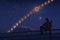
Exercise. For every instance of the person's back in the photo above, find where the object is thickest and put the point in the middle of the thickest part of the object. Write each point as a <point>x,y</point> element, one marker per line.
<point>47,24</point>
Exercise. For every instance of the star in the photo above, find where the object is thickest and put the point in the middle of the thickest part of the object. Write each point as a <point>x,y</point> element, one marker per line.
<point>40,17</point>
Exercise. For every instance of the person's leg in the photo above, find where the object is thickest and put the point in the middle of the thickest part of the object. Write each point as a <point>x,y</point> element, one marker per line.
<point>49,31</point>
<point>50,34</point>
<point>46,31</point>
<point>41,30</point>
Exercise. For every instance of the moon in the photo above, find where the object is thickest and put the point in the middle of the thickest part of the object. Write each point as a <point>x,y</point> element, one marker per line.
<point>36,9</point>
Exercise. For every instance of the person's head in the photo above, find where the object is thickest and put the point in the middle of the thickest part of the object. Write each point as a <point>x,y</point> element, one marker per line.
<point>47,20</point>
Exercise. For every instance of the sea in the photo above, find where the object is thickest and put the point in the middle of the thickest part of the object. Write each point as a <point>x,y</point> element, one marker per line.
<point>31,35</point>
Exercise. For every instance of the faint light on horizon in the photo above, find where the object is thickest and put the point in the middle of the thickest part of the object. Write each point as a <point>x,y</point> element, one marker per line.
<point>24,27</point>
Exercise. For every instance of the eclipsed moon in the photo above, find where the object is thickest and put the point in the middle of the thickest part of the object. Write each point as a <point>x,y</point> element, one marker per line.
<point>36,9</point>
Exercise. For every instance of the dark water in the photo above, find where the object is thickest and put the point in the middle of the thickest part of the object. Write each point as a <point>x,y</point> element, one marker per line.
<point>29,36</point>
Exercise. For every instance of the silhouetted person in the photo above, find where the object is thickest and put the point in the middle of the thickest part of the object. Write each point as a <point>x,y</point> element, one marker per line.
<point>46,27</point>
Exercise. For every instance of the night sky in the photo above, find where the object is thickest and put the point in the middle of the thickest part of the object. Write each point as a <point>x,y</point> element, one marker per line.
<point>12,10</point>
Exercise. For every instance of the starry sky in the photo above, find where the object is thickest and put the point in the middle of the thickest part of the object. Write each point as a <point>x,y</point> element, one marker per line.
<point>12,10</point>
